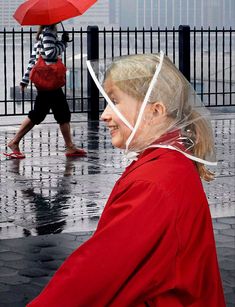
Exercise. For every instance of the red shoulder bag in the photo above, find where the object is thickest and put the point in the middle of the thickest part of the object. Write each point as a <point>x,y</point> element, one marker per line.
<point>48,77</point>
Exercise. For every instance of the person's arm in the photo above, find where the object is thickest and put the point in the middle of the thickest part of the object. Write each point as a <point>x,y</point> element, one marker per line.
<point>51,45</point>
<point>25,80</point>
<point>131,253</point>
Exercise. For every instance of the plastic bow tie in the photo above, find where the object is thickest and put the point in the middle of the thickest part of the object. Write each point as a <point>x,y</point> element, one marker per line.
<point>131,156</point>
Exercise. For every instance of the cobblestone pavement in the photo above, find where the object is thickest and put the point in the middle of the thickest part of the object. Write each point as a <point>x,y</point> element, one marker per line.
<point>61,200</point>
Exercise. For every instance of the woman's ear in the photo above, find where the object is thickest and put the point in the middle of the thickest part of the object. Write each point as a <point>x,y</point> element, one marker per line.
<point>159,108</point>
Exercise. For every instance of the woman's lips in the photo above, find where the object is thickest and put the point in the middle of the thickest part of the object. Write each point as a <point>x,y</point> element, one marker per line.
<point>113,130</point>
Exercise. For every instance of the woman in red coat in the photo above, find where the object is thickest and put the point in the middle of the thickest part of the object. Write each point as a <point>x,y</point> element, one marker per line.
<point>154,244</point>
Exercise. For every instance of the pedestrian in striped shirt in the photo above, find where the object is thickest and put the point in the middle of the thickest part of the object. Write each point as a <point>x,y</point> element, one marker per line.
<point>50,48</point>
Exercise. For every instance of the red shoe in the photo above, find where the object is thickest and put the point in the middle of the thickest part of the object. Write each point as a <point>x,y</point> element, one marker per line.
<point>77,153</point>
<point>14,155</point>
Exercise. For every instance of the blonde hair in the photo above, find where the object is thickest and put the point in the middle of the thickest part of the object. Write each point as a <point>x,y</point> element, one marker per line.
<point>132,74</point>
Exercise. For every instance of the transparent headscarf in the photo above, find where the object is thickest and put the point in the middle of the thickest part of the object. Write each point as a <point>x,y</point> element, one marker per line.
<point>153,79</point>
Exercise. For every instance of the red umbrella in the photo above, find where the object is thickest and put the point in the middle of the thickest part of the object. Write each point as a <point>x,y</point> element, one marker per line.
<point>47,12</point>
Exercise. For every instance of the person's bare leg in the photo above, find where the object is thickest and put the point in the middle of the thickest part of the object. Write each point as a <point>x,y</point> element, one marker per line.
<point>25,127</point>
<point>70,147</point>
<point>65,130</point>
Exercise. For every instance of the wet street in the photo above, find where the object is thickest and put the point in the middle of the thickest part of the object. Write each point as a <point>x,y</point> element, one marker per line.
<point>47,193</point>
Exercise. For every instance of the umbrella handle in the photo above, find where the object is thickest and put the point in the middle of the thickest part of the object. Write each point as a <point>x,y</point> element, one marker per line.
<point>62,26</point>
<point>65,31</point>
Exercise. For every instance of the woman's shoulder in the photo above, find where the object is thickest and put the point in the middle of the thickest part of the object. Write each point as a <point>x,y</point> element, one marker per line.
<point>163,167</point>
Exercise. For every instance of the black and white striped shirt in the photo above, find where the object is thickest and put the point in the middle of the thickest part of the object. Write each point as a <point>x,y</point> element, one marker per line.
<point>49,47</point>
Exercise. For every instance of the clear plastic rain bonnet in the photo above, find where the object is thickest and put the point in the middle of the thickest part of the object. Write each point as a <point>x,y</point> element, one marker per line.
<point>152,79</point>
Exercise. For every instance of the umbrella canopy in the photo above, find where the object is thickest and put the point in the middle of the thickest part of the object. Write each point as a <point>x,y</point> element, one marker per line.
<point>47,12</point>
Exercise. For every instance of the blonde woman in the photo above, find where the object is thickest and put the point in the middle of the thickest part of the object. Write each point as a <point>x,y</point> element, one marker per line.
<point>154,244</point>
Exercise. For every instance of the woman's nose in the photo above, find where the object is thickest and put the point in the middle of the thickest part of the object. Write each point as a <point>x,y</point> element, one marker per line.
<point>106,115</point>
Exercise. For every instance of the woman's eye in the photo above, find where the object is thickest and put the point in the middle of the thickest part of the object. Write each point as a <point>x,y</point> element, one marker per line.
<point>114,101</point>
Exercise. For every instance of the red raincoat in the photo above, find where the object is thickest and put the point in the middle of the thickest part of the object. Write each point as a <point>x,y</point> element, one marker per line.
<point>154,245</point>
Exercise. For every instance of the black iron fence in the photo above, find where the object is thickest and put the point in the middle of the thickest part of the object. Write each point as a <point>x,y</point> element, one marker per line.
<point>205,56</point>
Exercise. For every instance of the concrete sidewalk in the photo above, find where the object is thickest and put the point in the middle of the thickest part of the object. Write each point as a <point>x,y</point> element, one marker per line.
<point>27,264</point>
<point>50,204</point>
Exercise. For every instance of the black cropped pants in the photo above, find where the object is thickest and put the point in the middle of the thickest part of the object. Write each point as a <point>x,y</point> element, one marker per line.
<point>50,100</point>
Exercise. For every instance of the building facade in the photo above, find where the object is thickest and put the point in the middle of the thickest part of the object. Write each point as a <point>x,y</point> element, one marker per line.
<point>142,13</point>
<point>98,14</point>
<point>6,13</point>
<point>169,13</point>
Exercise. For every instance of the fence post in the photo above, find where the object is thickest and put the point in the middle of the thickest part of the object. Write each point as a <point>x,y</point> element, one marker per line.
<point>184,51</point>
<point>92,90</point>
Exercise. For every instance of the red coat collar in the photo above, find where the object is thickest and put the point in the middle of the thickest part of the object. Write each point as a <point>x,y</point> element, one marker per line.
<point>148,155</point>
<point>170,138</point>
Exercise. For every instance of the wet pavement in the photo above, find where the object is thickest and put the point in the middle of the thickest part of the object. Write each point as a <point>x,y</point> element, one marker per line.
<point>49,193</point>
<point>50,204</point>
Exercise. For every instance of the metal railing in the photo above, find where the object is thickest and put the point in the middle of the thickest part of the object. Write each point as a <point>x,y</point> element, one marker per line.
<point>205,56</point>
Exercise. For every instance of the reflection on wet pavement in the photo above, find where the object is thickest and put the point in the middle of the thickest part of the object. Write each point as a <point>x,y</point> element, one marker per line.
<point>49,193</point>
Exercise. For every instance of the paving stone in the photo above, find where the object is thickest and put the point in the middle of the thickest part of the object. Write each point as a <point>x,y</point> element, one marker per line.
<point>40,281</point>
<point>224,238</point>
<point>69,245</point>
<point>45,244</point>
<point>10,256</point>
<point>228,220</point>
<point>83,235</point>
<point>56,252</point>
<point>28,292</point>
<point>225,244</point>
<point>6,271</point>
<point>228,277</point>
<point>230,283</point>
<point>33,272</point>
<point>228,264</point>
<point>19,304</point>
<point>83,238</point>
<point>3,248</point>
<point>34,250</point>
<point>228,232</point>
<point>230,298</point>
<point>4,288</point>
<point>11,298</point>
<point>17,243</point>
<point>218,226</point>
<point>228,287</point>
<point>17,280</point>
<point>225,257</point>
<point>65,237</point>
<point>40,257</point>
<point>19,264</point>
<point>52,265</point>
